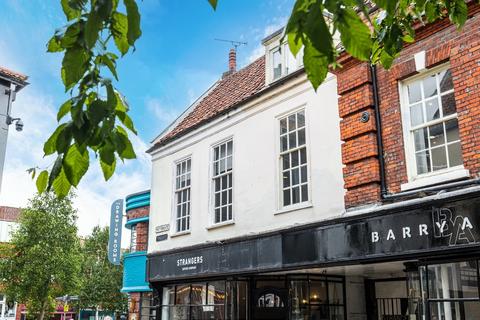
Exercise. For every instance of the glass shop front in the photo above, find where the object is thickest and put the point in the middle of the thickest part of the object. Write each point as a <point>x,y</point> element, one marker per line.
<point>417,263</point>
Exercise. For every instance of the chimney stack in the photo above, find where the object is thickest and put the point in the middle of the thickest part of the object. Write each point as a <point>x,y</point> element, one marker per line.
<point>232,61</point>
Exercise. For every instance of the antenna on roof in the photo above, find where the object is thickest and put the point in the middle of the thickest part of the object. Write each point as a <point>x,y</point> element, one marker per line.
<point>235,44</point>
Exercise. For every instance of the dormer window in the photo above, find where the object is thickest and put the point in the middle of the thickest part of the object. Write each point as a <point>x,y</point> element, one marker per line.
<point>280,61</point>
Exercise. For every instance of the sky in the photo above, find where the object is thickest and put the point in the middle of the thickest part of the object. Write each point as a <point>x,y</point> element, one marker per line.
<point>175,61</point>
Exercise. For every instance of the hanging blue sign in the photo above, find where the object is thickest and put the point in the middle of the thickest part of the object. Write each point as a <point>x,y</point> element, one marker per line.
<point>115,239</point>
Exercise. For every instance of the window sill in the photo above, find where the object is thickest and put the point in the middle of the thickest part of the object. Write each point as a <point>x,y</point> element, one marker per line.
<point>436,178</point>
<point>220,225</point>
<point>294,208</point>
<point>178,234</point>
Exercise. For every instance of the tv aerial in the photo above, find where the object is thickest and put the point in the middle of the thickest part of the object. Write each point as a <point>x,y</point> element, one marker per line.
<point>235,44</point>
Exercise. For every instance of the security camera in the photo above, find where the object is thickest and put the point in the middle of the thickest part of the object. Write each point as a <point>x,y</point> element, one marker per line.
<point>19,125</point>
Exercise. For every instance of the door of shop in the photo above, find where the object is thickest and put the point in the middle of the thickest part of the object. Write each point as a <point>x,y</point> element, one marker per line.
<point>270,304</point>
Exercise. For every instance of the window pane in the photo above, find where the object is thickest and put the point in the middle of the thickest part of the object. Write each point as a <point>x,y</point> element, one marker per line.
<point>286,179</point>
<point>455,154</point>
<point>437,137</point>
<point>421,139</point>
<point>168,295</point>
<point>451,127</point>
<point>455,310</point>
<point>445,78</point>
<point>299,302</point>
<point>277,64</point>
<point>430,86</point>
<point>335,293</point>
<point>291,123</point>
<point>283,126</point>
<point>301,119</point>
<point>224,198</point>
<point>304,174</point>
<point>224,182</point>
<point>318,292</point>
<point>448,104</point>
<point>453,280</point>
<point>432,109</point>
<point>304,189</point>
<point>283,143</point>
<point>216,153</point>
<point>216,292</point>
<point>416,114</point>
<point>217,215</point>
<point>217,199</point>
<point>292,140</point>
<point>224,214</point>
<point>295,176</point>
<point>286,197</point>
<point>337,313</point>
<point>294,158</point>
<point>199,293</point>
<point>414,93</point>
<point>286,161</point>
<point>295,195</point>
<point>439,158</point>
<point>303,156</point>
<point>229,148</point>
<point>183,294</point>
<point>301,137</point>
<point>423,162</point>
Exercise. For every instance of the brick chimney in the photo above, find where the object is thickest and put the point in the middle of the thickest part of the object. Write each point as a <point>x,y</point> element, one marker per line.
<point>232,61</point>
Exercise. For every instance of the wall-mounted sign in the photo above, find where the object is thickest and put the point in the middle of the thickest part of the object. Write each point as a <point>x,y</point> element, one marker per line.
<point>162,228</point>
<point>448,226</point>
<point>115,239</point>
<point>162,237</point>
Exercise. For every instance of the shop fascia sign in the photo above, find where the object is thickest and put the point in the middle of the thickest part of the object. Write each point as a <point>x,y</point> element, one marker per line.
<point>115,239</point>
<point>445,225</point>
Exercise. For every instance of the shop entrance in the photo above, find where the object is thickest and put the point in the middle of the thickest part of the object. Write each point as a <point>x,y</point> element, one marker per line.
<point>270,303</point>
<point>387,299</point>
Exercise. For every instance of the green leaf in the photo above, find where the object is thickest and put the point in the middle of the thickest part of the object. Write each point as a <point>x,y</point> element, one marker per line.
<point>54,45</point>
<point>75,164</point>
<point>64,109</point>
<point>213,3</point>
<point>111,65</point>
<point>316,65</point>
<point>126,121</point>
<point>61,185</point>
<point>457,12</point>
<point>317,31</point>
<point>70,12</point>
<point>295,43</point>
<point>119,29</point>
<point>108,169</point>
<point>354,34</point>
<point>92,28</point>
<point>42,181</point>
<point>97,111</point>
<point>51,145</point>
<point>57,167</point>
<point>74,65</point>
<point>107,152</point>
<point>133,17</point>
<point>64,139</point>
<point>127,152</point>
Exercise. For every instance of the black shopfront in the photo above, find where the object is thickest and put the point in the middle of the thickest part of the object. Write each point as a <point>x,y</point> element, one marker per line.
<point>415,262</point>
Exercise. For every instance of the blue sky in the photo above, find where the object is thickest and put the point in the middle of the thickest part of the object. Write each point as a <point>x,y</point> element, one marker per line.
<point>175,61</point>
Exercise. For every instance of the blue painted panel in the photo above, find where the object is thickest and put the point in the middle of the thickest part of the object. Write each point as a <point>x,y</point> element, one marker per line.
<point>137,200</point>
<point>132,222</point>
<point>134,272</point>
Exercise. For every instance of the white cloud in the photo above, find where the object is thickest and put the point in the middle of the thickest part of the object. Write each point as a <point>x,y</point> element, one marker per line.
<point>163,113</point>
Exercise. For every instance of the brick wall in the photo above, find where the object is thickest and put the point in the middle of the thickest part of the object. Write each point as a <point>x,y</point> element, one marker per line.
<point>134,306</point>
<point>142,227</point>
<point>443,44</point>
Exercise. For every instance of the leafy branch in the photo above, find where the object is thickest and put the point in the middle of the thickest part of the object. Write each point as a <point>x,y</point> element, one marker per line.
<point>95,116</point>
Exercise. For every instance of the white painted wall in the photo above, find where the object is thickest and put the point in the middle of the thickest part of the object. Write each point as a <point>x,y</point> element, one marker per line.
<point>255,167</point>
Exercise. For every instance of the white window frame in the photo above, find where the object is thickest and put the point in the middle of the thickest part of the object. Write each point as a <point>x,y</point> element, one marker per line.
<point>212,178</point>
<point>133,238</point>
<point>174,231</point>
<point>419,180</point>
<point>304,204</point>
<point>283,48</point>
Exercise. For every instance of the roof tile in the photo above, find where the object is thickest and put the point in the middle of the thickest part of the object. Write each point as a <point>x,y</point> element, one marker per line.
<point>228,93</point>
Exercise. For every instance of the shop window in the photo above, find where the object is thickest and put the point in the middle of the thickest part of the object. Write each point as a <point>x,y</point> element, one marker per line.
<point>206,300</point>
<point>452,290</point>
<point>182,195</point>
<point>293,159</point>
<point>223,182</point>
<point>317,298</point>
<point>431,125</point>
